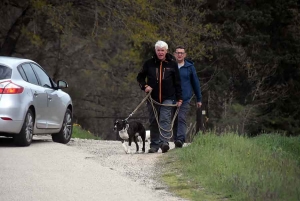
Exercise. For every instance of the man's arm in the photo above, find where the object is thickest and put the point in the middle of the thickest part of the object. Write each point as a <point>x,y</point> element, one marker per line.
<point>196,84</point>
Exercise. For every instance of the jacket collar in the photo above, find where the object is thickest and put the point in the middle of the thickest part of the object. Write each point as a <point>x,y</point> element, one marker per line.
<point>188,63</point>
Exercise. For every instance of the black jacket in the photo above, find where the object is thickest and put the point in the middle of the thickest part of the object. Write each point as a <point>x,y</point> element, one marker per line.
<point>163,77</point>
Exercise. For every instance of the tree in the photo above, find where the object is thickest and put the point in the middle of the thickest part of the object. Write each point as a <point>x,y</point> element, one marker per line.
<point>258,46</point>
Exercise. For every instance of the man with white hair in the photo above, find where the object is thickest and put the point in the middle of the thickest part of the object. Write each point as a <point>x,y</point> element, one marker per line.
<point>160,76</point>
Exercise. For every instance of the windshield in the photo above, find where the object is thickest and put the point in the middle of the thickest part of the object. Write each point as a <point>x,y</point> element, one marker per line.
<point>5,72</point>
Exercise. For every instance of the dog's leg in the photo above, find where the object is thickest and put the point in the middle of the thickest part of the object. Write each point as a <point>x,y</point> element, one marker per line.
<point>129,143</point>
<point>136,143</point>
<point>143,136</point>
<point>140,141</point>
<point>143,146</point>
<point>125,147</point>
<point>147,137</point>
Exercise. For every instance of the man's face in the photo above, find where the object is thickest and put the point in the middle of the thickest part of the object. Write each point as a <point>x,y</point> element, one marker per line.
<point>179,55</point>
<point>161,53</point>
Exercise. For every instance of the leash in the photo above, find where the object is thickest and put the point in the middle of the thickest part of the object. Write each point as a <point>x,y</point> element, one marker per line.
<point>156,115</point>
<point>146,97</point>
<point>157,120</point>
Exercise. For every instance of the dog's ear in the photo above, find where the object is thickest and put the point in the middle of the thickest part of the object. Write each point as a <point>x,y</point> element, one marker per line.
<point>115,124</point>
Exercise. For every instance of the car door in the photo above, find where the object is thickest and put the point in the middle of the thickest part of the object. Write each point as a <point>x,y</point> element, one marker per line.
<point>39,95</point>
<point>55,107</point>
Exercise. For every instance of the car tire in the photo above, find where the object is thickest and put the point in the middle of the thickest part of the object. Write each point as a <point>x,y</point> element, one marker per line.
<point>24,138</point>
<point>66,130</point>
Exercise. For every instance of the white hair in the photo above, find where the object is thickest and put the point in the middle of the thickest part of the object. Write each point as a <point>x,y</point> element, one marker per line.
<point>161,44</point>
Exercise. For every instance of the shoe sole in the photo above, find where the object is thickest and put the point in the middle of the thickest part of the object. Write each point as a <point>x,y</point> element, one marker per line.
<point>178,144</point>
<point>165,148</point>
<point>152,151</point>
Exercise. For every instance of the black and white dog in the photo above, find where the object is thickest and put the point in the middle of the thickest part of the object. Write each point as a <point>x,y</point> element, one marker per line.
<point>131,131</point>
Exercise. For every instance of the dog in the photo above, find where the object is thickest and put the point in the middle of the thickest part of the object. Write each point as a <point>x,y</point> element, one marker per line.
<point>131,131</point>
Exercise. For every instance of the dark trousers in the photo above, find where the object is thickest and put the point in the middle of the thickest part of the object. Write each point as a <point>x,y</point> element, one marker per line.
<point>164,114</point>
<point>180,124</point>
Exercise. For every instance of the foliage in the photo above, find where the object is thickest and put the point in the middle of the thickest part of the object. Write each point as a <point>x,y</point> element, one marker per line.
<point>238,168</point>
<point>80,133</point>
<point>246,54</point>
<point>257,55</point>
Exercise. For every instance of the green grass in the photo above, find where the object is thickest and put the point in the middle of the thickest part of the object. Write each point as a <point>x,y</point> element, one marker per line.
<point>231,167</point>
<point>78,132</point>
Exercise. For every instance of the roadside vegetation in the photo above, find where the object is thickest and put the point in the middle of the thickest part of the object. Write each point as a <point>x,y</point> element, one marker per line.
<point>79,132</point>
<point>233,167</point>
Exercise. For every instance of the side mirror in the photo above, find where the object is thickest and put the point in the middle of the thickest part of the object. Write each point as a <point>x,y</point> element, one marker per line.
<point>62,84</point>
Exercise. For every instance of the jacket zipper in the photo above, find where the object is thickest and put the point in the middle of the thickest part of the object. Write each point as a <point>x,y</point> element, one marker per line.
<point>160,80</point>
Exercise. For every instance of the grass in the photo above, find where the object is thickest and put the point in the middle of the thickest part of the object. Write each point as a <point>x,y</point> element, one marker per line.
<point>230,167</point>
<point>78,132</point>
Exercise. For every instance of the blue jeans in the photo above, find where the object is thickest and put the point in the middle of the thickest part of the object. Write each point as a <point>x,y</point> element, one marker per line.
<point>180,125</point>
<point>164,115</point>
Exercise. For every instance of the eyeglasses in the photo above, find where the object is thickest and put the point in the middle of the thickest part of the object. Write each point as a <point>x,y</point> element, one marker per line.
<point>180,53</point>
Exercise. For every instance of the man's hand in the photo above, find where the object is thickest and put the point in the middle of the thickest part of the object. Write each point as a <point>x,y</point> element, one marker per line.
<point>148,89</point>
<point>199,104</point>
<point>179,103</point>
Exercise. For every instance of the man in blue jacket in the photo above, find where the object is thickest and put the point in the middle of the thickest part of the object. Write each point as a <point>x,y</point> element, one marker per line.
<point>189,84</point>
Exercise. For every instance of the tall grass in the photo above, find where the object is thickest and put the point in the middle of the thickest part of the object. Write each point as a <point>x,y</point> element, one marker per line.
<point>238,168</point>
<point>78,132</point>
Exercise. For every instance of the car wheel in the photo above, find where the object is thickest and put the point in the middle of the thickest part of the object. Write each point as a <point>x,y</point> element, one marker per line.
<point>66,130</point>
<point>24,138</point>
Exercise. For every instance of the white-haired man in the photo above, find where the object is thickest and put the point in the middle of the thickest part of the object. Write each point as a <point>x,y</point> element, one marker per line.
<point>161,75</point>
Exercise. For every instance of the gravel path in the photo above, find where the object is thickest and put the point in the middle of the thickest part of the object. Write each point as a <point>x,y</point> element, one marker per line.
<point>139,167</point>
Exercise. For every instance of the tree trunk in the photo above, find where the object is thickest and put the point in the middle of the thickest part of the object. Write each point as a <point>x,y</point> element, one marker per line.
<point>9,44</point>
<point>199,120</point>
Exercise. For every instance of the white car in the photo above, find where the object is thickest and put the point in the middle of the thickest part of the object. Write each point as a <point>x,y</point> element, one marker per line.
<point>31,103</point>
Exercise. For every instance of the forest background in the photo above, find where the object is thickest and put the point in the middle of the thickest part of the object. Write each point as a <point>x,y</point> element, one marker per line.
<point>246,54</point>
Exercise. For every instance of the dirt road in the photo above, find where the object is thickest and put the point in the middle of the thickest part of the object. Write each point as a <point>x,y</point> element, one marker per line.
<point>82,170</point>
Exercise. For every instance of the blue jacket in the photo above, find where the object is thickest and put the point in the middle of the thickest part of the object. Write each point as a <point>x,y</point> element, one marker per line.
<point>189,81</point>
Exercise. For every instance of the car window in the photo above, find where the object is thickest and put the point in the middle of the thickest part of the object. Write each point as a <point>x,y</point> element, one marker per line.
<point>5,72</point>
<point>30,74</point>
<point>44,79</point>
<point>21,71</point>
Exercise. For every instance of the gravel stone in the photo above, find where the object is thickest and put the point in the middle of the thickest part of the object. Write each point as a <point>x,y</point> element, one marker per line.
<point>139,167</point>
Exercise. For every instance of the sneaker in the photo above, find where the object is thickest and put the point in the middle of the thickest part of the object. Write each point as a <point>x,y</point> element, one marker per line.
<point>153,150</point>
<point>178,144</point>
<point>165,148</point>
